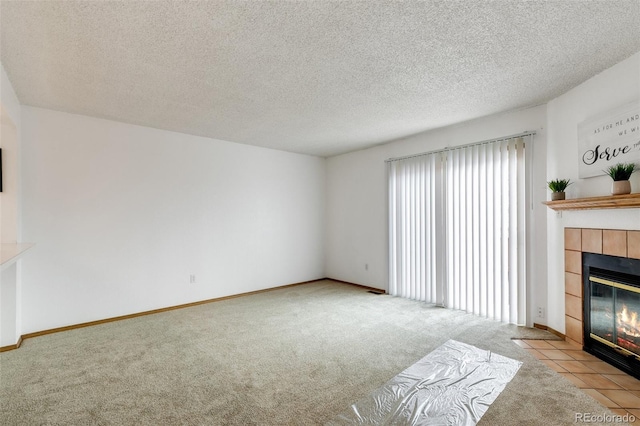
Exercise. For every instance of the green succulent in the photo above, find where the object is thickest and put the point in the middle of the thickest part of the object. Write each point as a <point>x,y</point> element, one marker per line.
<point>621,171</point>
<point>559,185</point>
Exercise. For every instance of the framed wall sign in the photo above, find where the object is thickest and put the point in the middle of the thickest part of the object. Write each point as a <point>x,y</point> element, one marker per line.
<point>609,138</point>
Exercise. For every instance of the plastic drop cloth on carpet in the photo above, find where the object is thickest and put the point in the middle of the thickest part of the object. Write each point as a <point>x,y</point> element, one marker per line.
<point>453,385</point>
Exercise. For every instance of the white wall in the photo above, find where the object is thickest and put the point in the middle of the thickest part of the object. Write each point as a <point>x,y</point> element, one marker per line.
<point>9,292</point>
<point>10,287</point>
<point>123,214</point>
<point>9,195</point>
<point>617,86</point>
<point>8,98</point>
<point>357,199</point>
<point>10,114</point>
<point>10,111</point>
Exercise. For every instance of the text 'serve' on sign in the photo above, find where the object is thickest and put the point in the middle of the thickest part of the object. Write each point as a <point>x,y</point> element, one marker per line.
<point>609,138</point>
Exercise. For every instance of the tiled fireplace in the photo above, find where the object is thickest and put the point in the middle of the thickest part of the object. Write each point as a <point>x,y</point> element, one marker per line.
<point>596,293</point>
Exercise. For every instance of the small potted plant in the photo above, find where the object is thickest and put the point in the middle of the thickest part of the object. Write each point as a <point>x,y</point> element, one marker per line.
<point>620,173</point>
<point>557,187</point>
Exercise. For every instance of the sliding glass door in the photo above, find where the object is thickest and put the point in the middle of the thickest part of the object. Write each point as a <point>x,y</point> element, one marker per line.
<point>457,228</point>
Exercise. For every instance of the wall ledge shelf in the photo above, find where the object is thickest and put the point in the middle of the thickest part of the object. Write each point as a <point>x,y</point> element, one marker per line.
<point>627,201</point>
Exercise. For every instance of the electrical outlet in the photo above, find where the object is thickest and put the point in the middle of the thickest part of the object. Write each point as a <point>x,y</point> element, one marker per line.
<point>540,312</point>
<point>192,279</point>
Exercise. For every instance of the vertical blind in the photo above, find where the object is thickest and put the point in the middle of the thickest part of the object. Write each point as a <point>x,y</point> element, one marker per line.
<point>457,228</point>
<point>412,190</point>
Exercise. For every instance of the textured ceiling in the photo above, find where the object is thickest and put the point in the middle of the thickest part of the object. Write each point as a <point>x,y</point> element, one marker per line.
<point>315,77</point>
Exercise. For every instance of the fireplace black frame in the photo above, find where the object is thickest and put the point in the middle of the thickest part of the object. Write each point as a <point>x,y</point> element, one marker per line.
<point>620,269</point>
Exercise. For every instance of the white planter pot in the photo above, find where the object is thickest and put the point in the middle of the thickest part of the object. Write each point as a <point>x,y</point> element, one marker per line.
<point>621,187</point>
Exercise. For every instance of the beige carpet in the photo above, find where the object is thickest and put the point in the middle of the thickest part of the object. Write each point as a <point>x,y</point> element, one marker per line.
<point>298,355</point>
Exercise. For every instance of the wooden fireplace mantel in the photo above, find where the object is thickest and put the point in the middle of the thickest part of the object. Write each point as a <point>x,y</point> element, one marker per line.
<point>627,201</point>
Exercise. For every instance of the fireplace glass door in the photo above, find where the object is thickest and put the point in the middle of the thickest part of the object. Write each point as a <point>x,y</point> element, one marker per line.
<point>615,312</point>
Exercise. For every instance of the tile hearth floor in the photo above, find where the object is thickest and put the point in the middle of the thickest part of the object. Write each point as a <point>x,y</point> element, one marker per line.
<point>611,387</point>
